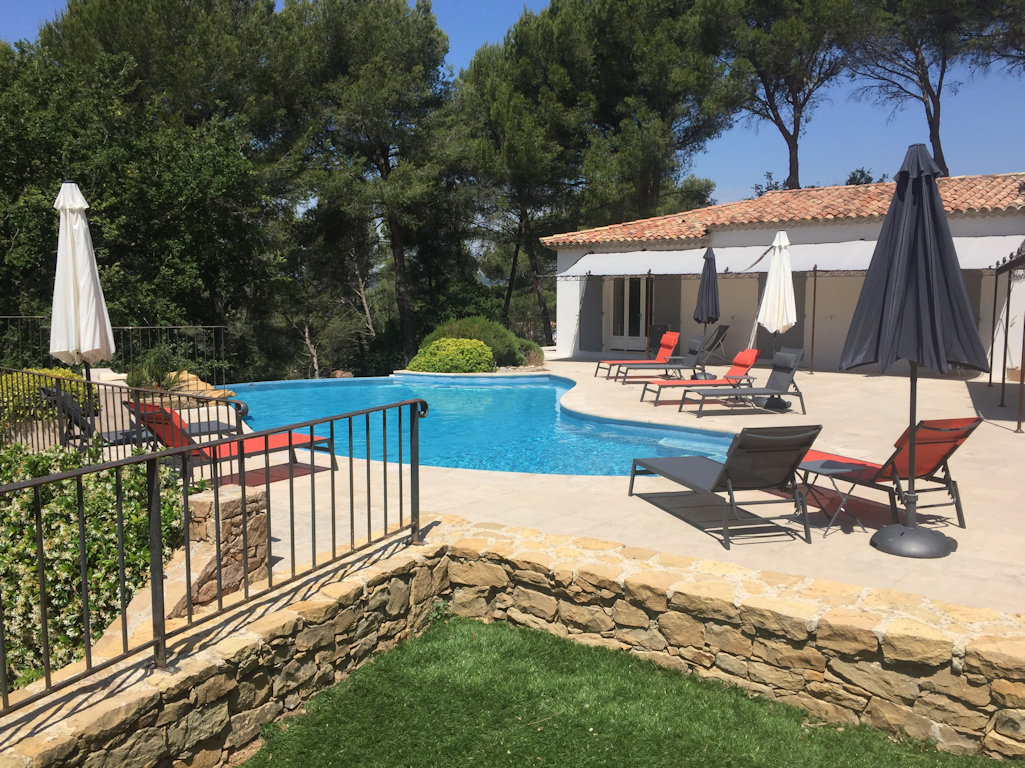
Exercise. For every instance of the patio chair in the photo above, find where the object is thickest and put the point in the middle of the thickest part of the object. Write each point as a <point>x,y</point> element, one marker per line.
<point>759,459</point>
<point>77,427</point>
<point>698,351</point>
<point>172,431</point>
<point>768,397</point>
<point>665,351</point>
<point>736,376</point>
<point>935,441</point>
<point>655,333</point>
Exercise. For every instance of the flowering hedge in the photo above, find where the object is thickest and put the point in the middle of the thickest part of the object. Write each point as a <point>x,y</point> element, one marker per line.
<point>19,582</point>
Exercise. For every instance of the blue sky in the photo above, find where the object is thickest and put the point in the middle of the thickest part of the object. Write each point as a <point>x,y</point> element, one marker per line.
<point>981,124</point>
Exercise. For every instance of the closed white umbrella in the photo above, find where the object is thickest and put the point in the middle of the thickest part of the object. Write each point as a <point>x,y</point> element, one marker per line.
<point>79,325</point>
<point>778,311</point>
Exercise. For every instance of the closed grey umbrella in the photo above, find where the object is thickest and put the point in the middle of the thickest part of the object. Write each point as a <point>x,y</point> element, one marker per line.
<point>914,306</point>
<point>707,309</point>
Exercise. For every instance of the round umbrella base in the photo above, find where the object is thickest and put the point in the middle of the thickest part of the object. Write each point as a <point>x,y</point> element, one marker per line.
<point>912,541</point>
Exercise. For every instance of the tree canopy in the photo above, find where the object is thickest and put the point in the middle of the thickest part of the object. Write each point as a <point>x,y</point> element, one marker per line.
<point>314,177</point>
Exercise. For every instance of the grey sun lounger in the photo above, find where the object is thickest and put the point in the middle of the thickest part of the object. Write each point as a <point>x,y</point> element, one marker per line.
<point>779,384</point>
<point>698,351</point>
<point>758,459</point>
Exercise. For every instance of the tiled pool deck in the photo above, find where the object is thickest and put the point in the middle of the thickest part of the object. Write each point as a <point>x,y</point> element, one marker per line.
<point>861,415</point>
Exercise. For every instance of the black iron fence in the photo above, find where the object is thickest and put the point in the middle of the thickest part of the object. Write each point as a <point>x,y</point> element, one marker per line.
<point>41,410</point>
<point>143,350</point>
<point>101,562</point>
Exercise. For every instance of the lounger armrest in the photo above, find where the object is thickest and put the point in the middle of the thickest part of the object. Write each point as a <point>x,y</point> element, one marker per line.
<point>740,381</point>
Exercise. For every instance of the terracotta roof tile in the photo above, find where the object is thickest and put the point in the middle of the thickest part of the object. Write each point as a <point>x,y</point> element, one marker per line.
<point>961,194</point>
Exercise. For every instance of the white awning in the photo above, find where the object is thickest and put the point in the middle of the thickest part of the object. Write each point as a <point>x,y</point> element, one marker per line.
<point>851,255</point>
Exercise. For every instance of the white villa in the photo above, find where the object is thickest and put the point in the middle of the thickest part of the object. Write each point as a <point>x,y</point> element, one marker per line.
<point>614,282</point>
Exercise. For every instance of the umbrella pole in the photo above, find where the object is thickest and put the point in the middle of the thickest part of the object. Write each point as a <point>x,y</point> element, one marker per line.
<point>911,498</point>
<point>814,299</point>
<point>89,400</point>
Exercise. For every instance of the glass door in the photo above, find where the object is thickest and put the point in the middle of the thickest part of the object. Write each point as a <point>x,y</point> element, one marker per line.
<point>629,310</point>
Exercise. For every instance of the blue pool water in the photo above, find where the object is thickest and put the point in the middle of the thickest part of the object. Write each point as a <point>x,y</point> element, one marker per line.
<point>511,424</point>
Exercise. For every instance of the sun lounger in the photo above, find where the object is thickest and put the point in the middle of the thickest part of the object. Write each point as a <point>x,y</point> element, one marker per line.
<point>172,431</point>
<point>935,441</point>
<point>769,397</point>
<point>759,459</point>
<point>736,376</point>
<point>77,427</point>
<point>698,351</point>
<point>665,351</point>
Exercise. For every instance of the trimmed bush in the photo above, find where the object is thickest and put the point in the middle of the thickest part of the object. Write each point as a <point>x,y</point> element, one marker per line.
<point>505,346</point>
<point>454,356</point>
<point>18,557</point>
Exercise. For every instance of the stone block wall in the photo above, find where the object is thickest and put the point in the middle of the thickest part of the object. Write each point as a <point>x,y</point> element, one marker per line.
<point>203,534</point>
<point>949,673</point>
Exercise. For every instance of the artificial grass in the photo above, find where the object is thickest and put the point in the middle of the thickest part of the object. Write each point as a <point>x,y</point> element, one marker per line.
<point>467,693</point>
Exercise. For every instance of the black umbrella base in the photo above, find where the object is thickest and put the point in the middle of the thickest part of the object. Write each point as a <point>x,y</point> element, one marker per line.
<point>912,541</point>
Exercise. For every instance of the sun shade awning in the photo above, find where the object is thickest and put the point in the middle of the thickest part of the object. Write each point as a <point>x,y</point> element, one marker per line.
<point>851,255</point>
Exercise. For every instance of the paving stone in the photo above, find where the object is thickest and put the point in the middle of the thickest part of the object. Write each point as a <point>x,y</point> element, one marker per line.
<point>649,589</point>
<point>912,641</point>
<point>1002,657</point>
<point>783,654</point>
<point>681,629</point>
<point>706,599</point>
<point>723,637</point>
<point>870,676</point>
<point>851,633</point>
<point>585,618</point>
<point>942,709</point>
<point>788,618</point>
<point>960,687</point>
<point>1008,694</point>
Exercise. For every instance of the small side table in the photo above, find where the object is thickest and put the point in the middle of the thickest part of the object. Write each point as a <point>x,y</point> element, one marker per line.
<point>832,469</point>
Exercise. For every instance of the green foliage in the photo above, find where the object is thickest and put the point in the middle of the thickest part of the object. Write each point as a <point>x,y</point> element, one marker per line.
<point>863,176</point>
<point>503,343</point>
<point>158,369</point>
<point>454,356</point>
<point>532,354</point>
<point>60,534</point>
<point>20,400</point>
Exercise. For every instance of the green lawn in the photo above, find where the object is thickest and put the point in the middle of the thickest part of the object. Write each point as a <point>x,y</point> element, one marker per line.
<point>467,693</point>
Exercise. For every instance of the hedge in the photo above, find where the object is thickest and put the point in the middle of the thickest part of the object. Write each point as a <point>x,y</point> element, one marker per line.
<point>454,356</point>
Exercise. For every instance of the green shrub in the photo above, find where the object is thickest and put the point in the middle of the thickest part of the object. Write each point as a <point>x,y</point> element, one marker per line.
<point>532,353</point>
<point>503,342</point>
<point>454,356</point>
<point>18,564</point>
<point>20,400</point>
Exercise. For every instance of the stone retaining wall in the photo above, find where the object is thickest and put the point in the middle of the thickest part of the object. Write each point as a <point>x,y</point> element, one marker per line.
<point>844,653</point>
<point>203,535</point>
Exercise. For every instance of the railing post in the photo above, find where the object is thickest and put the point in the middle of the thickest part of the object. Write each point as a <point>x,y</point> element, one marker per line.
<point>414,474</point>
<point>156,564</point>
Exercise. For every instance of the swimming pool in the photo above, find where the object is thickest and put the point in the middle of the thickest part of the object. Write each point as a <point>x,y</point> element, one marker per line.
<point>510,424</point>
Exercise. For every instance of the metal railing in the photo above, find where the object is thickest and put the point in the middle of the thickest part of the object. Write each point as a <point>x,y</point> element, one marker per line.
<point>202,349</point>
<point>40,410</point>
<point>333,487</point>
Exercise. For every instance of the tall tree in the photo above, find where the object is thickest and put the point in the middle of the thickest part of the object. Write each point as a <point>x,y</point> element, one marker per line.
<point>659,95</point>
<point>376,121</point>
<point>171,210</point>
<point>907,52</point>
<point>789,51</point>
<point>197,58</point>
<point>525,106</point>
